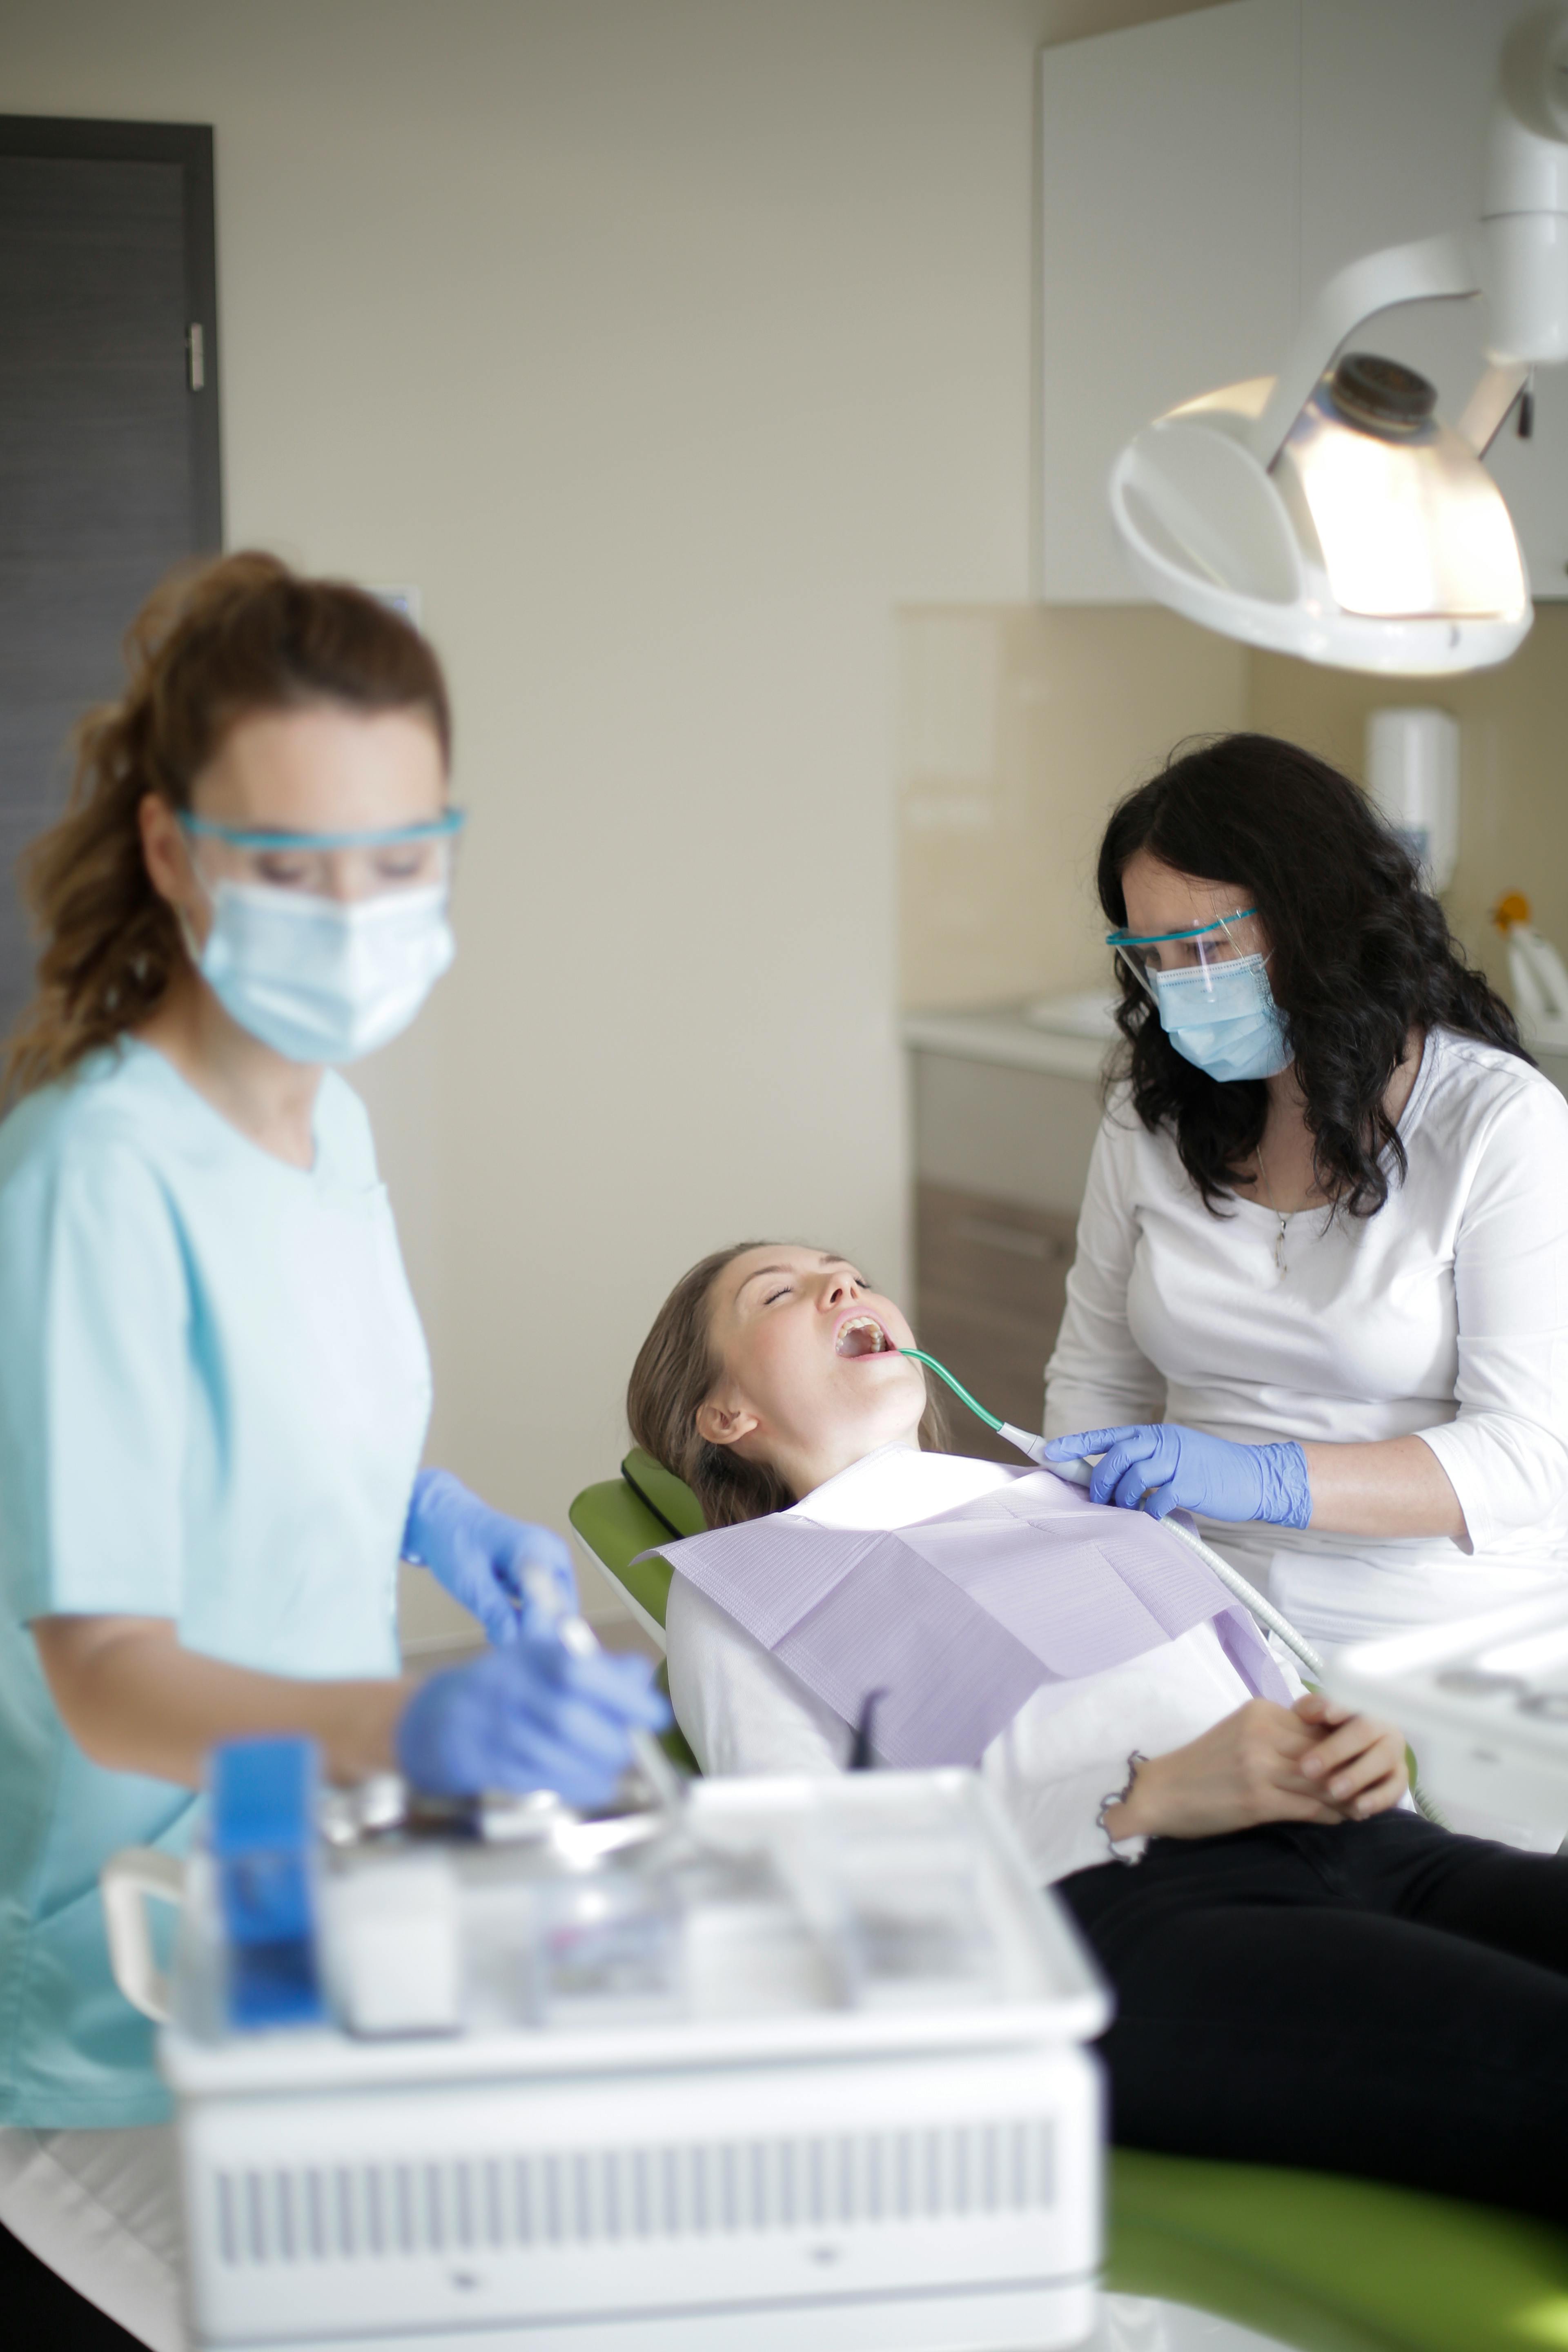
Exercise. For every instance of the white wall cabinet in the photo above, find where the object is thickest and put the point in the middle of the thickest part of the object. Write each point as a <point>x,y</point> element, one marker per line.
<point>1201,177</point>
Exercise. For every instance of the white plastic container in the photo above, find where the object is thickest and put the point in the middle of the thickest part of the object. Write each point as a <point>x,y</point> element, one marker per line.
<point>790,2155</point>
<point>1413,774</point>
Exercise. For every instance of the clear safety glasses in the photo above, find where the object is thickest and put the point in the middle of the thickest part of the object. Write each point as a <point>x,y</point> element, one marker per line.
<point>339,865</point>
<point>1197,957</point>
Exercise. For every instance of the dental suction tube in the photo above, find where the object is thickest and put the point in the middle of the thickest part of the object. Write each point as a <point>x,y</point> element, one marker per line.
<point>1078,1473</point>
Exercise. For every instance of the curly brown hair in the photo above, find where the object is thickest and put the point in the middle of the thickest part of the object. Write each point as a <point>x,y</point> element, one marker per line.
<point>209,648</point>
<point>676,1370</point>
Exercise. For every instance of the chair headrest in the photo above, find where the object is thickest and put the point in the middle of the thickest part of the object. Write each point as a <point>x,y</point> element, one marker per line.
<point>664,1493</point>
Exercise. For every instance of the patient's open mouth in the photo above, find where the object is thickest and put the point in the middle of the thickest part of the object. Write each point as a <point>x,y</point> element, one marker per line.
<point>862,1336</point>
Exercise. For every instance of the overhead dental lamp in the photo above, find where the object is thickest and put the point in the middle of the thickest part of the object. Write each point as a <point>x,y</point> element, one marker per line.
<point>1327,512</point>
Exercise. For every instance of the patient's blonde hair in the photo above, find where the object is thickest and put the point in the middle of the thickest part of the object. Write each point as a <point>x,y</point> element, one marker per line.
<point>676,1371</point>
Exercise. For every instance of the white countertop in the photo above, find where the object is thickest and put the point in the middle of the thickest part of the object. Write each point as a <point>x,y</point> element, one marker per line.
<point>1001,1033</point>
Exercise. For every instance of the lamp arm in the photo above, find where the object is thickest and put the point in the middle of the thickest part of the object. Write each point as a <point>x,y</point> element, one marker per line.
<point>1432,269</point>
<point>1518,256</point>
<point>1488,407</point>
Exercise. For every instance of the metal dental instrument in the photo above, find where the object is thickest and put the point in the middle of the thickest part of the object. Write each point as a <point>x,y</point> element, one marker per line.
<point>577,1636</point>
<point>1078,1473</point>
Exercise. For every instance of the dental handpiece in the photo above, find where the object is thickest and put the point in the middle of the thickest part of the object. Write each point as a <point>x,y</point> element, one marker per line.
<point>578,1637</point>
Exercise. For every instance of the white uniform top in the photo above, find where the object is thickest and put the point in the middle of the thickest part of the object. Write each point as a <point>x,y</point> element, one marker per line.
<point>1445,1316</point>
<point>1054,1764</point>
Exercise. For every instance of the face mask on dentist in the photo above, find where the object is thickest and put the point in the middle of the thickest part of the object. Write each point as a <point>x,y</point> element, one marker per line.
<point>1222,1017</point>
<point>321,980</point>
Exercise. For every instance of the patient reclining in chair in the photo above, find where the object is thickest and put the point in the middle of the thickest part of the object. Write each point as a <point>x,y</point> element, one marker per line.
<point>1306,1971</point>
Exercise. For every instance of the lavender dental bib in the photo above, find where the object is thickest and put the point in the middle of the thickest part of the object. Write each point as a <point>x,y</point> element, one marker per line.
<point>958,1618</point>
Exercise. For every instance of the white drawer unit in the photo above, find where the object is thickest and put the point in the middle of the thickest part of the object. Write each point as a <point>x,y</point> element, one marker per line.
<point>864,2117</point>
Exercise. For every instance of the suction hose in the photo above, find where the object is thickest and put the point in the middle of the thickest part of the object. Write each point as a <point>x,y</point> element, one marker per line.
<point>1077,1474</point>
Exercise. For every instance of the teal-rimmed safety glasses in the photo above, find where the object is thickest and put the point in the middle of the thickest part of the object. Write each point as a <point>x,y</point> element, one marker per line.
<point>1194,955</point>
<point>371,863</point>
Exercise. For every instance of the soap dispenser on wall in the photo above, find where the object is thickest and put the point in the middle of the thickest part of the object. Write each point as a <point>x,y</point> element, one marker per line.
<point>1412,775</point>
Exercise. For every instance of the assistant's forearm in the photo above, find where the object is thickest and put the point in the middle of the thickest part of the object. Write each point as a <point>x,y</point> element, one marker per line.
<point>1396,1486</point>
<point>140,1703</point>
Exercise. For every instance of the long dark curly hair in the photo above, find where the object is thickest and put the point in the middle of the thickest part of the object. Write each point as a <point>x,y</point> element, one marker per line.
<point>1360,955</point>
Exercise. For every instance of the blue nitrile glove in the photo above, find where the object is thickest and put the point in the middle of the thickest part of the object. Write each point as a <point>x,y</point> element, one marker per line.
<point>532,1715</point>
<point>1180,1470</point>
<point>482,1556</point>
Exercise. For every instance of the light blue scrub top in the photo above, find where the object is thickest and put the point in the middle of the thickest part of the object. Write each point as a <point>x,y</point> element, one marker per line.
<point>214,1392</point>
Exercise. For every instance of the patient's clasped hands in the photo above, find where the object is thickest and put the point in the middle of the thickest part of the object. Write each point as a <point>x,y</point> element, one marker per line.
<point>1311,1762</point>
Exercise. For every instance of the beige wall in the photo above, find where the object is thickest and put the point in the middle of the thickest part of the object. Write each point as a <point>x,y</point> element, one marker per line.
<point>1513,767</point>
<point>1018,731</point>
<point>1019,727</point>
<point>667,346</point>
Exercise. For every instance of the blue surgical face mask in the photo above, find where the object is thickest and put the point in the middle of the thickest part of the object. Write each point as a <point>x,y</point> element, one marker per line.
<point>1222,1017</point>
<point>324,980</point>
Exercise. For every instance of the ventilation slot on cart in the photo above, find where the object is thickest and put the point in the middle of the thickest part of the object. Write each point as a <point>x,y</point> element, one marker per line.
<point>416,2207</point>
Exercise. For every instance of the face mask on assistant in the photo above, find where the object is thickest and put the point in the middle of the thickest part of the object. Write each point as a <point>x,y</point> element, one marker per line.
<point>1210,987</point>
<point>324,945</point>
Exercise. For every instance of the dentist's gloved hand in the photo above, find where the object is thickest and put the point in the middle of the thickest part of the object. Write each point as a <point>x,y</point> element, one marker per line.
<point>532,1715</point>
<point>482,1556</point>
<point>1161,1467</point>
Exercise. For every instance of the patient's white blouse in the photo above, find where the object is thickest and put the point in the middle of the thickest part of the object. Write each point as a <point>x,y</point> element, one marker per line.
<point>1053,1766</point>
<point>1444,1317</point>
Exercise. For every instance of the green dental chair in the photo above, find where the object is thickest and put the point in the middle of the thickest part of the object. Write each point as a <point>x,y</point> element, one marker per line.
<point>1313,2260</point>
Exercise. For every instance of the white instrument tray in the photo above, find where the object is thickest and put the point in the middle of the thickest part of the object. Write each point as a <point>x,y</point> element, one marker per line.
<point>1047,1988</point>
<point>1482,1701</point>
<point>854,2174</point>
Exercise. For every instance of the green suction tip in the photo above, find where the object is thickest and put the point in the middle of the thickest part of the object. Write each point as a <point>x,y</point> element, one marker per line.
<point>957,1387</point>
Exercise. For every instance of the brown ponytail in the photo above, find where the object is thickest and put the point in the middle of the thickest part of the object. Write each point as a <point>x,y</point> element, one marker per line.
<point>676,1370</point>
<point>207,648</point>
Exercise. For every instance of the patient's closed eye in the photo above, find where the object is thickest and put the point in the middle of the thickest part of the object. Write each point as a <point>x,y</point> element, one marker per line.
<point>782,1293</point>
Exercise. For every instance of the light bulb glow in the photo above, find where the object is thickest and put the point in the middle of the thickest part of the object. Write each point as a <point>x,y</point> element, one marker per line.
<point>1407,527</point>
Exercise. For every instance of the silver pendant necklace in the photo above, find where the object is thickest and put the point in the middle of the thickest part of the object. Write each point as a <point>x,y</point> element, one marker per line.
<point>1280,1265</point>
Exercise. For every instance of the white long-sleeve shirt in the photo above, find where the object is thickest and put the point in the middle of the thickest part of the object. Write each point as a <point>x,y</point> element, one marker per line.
<point>1445,1317</point>
<point>1053,1766</point>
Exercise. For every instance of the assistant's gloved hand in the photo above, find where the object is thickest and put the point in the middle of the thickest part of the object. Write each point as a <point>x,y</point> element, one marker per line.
<point>482,1556</point>
<point>532,1715</point>
<point>1179,1469</point>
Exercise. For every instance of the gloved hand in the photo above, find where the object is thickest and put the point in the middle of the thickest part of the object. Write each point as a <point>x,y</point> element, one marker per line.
<point>1179,1469</point>
<point>532,1715</point>
<point>482,1556</point>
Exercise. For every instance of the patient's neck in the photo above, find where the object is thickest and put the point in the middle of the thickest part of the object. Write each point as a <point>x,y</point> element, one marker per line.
<point>804,1470</point>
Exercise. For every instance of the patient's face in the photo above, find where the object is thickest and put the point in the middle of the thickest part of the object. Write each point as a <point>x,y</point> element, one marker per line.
<point>813,1379</point>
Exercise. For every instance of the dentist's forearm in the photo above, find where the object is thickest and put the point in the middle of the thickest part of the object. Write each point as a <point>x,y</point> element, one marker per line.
<point>135,1701</point>
<point>1395,1488</point>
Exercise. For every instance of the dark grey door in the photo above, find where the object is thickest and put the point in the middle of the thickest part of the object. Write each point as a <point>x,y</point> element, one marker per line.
<point>108,446</point>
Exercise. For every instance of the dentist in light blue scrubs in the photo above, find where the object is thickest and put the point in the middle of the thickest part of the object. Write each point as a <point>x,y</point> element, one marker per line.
<point>213,1388</point>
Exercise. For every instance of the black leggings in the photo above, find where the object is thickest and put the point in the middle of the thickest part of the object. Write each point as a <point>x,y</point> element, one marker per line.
<point>1379,1997</point>
<point>39,2309</point>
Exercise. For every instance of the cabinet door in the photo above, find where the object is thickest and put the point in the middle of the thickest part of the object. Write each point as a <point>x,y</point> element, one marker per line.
<point>1168,161</point>
<point>109,435</point>
<point>991,1280</point>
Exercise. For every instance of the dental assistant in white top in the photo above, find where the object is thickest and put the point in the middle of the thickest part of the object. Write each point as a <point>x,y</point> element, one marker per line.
<point>1321,1294</point>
